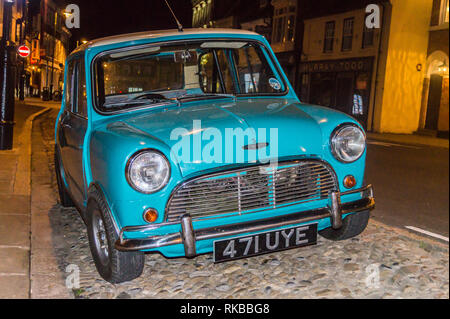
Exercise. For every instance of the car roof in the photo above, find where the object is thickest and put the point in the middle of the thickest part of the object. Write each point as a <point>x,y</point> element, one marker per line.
<point>158,34</point>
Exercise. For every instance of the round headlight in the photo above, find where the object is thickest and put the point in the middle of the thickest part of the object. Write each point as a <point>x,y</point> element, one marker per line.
<point>348,143</point>
<point>148,171</point>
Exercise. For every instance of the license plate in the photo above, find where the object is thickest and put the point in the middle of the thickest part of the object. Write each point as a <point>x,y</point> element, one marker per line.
<point>259,244</point>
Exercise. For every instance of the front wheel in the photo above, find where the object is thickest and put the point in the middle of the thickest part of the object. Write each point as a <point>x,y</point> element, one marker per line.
<point>352,226</point>
<point>114,266</point>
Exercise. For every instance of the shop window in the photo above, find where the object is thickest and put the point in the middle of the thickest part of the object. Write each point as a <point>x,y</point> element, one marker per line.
<point>329,36</point>
<point>347,36</point>
<point>284,24</point>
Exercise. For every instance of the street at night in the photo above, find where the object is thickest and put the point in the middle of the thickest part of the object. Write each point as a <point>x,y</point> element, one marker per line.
<point>412,184</point>
<point>201,149</point>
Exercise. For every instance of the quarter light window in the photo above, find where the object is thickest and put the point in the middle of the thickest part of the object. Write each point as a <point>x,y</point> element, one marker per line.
<point>70,84</point>
<point>82,100</point>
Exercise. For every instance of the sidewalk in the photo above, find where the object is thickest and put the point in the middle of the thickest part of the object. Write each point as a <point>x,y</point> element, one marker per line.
<point>34,101</point>
<point>410,139</point>
<point>15,208</point>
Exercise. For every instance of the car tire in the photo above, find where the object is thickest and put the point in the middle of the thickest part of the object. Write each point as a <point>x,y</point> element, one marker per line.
<point>114,266</point>
<point>64,197</point>
<point>352,226</point>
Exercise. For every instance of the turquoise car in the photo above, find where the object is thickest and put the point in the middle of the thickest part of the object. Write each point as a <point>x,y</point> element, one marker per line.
<point>194,142</point>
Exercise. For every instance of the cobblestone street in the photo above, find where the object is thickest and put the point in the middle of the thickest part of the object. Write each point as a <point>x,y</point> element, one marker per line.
<point>381,263</point>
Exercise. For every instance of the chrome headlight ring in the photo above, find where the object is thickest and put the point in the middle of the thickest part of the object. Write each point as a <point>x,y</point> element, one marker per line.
<point>148,171</point>
<point>348,143</point>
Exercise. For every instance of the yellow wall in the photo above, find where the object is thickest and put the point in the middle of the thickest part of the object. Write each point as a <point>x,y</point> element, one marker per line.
<point>408,42</point>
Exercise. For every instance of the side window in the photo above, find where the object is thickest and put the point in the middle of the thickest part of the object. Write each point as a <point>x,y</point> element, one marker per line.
<point>82,100</point>
<point>253,71</point>
<point>70,81</point>
<point>243,71</point>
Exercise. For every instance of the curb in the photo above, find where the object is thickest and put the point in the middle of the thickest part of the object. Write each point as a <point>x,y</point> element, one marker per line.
<point>22,184</point>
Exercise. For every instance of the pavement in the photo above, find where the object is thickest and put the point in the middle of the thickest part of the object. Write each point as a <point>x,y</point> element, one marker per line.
<point>15,191</point>
<point>42,244</point>
<point>15,210</point>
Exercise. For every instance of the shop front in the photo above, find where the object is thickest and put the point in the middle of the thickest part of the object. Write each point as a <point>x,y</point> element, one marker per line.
<point>344,85</point>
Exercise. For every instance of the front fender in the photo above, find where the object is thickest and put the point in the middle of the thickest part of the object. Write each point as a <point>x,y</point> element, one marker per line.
<point>328,120</point>
<point>110,150</point>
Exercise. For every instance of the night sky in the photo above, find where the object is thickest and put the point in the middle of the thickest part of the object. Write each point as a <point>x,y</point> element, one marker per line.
<point>100,18</point>
<point>111,17</point>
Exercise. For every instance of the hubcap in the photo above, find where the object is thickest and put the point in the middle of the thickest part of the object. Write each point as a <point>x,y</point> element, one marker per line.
<point>100,240</point>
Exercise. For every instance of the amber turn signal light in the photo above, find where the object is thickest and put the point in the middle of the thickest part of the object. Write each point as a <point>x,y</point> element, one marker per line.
<point>150,215</point>
<point>349,181</point>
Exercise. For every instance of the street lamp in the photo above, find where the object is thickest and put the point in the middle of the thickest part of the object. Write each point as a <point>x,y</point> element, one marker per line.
<point>443,68</point>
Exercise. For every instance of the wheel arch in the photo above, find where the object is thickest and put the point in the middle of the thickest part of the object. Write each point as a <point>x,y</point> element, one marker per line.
<point>96,193</point>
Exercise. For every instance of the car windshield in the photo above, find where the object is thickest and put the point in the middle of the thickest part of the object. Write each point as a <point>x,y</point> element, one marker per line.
<point>184,71</point>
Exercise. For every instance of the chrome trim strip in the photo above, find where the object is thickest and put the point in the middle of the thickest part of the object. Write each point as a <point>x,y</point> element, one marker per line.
<point>366,203</point>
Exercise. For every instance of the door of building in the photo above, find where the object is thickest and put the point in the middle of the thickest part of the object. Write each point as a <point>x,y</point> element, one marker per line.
<point>322,89</point>
<point>434,102</point>
<point>344,92</point>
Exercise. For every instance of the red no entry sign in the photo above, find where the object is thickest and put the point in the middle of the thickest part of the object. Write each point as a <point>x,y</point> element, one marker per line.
<point>23,51</point>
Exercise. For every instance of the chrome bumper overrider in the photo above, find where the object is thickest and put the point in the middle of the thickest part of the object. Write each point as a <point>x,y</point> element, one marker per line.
<point>188,236</point>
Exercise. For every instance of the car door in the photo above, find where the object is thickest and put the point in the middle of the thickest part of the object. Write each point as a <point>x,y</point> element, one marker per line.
<point>73,129</point>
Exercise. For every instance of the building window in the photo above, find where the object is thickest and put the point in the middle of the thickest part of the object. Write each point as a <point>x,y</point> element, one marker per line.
<point>368,36</point>
<point>201,14</point>
<point>347,36</point>
<point>194,16</point>
<point>329,36</point>
<point>444,12</point>
<point>284,24</point>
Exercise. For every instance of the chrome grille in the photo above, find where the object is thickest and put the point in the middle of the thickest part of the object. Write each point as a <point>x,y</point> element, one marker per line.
<point>252,189</point>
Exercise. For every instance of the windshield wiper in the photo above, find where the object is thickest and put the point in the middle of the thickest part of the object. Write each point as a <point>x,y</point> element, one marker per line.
<point>141,102</point>
<point>206,95</point>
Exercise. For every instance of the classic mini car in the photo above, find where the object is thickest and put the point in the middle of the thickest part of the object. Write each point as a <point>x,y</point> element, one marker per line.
<point>193,142</point>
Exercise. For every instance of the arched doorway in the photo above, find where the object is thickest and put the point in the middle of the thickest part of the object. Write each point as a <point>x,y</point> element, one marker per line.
<point>436,94</point>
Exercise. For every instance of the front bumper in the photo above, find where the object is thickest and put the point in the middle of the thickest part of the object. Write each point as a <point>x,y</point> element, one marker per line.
<point>189,236</point>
